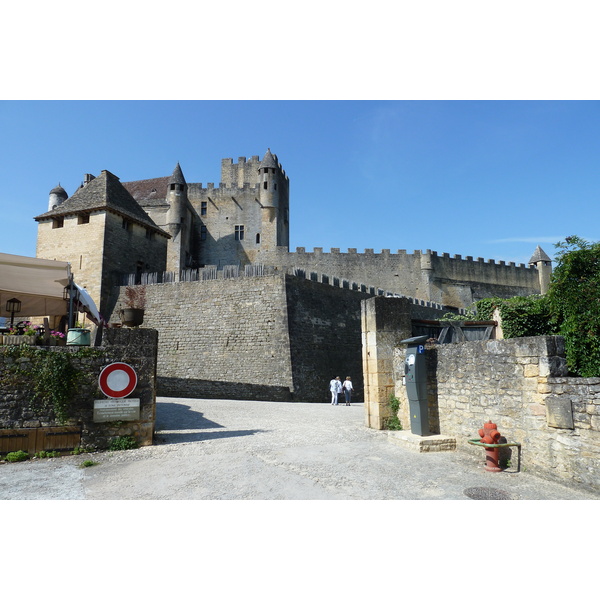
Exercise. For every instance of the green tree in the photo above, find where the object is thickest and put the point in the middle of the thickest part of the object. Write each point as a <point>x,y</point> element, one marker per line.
<point>574,297</point>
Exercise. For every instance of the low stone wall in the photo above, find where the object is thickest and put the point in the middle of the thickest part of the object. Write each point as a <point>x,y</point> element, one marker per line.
<point>521,385</point>
<point>136,347</point>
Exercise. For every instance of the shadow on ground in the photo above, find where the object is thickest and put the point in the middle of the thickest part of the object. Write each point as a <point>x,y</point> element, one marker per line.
<point>178,423</point>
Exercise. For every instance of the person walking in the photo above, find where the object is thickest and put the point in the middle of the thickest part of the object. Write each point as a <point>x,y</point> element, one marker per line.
<point>335,387</point>
<point>347,385</point>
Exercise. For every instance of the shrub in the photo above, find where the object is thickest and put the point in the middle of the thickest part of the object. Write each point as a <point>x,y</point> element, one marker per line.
<point>574,297</point>
<point>393,423</point>
<point>16,456</point>
<point>123,442</point>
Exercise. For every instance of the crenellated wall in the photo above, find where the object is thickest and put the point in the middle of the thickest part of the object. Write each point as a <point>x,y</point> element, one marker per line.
<point>444,279</point>
<point>270,336</point>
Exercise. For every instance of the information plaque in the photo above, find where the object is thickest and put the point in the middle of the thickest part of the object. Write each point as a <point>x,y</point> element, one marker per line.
<point>116,409</point>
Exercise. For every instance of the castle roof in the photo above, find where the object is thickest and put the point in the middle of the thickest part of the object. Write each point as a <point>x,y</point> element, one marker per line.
<point>177,176</point>
<point>105,192</point>
<point>269,160</point>
<point>149,192</point>
<point>59,191</point>
<point>539,256</point>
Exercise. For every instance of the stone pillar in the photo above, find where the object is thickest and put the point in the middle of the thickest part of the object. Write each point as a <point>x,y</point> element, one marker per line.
<point>385,322</point>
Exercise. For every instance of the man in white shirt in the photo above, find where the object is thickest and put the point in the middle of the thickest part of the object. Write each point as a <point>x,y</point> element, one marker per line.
<point>335,387</point>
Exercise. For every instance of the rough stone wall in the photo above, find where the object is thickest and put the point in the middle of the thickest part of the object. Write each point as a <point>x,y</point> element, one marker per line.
<point>452,281</point>
<point>385,322</point>
<point>126,251</point>
<point>101,251</point>
<point>325,337</point>
<point>275,337</point>
<point>520,385</point>
<point>226,208</point>
<point>79,244</point>
<point>221,338</point>
<point>136,347</point>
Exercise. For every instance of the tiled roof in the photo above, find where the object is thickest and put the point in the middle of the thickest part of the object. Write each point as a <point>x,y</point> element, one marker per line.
<point>104,192</point>
<point>149,192</point>
<point>269,160</point>
<point>177,176</point>
<point>539,255</point>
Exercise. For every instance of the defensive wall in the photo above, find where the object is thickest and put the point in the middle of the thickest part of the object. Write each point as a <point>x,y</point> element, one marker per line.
<point>443,279</point>
<point>136,347</point>
<point>521,384</point>
<point>256,334</point>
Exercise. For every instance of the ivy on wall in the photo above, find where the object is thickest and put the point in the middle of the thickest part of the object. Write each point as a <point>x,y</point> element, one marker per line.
<point>574,297</point>
<point>50,378</point>
<point>521,316</point>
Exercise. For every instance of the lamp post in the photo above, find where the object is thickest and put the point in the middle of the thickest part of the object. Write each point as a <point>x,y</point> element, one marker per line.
<point>69,294</point>
<point>13,306</point>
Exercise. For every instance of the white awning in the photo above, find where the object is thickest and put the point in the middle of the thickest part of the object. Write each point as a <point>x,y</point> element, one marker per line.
<point>38,284</point>
<point>87,305</point>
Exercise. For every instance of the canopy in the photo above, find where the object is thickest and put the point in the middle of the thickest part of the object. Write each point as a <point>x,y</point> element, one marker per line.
<point>38,283</point>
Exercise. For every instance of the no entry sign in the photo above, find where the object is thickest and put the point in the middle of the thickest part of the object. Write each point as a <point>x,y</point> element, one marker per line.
<point>117,380</point>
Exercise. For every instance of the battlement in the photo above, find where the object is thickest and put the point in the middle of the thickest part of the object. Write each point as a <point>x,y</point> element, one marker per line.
<point>243,164</point>
<point>197,188</point>
<point>416,253</point>
<point>212,272</point>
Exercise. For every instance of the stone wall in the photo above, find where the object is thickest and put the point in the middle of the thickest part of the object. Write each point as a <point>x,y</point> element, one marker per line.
<point>520,385</point>
<point>271,337</point>
<point>325,337</point>
<point>136,347</point>
<point>443,279</point>
<point>385,322</point>
<point>221,338</point>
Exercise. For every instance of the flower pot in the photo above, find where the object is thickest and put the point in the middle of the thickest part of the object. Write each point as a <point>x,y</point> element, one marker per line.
<point>78,337</point>
<point>132,317</point>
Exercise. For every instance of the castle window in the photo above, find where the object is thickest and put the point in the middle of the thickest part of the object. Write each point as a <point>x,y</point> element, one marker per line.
<point>83,219</point>
<point>258,238</point>
<point>239,233</point>
<point>265,185</point>
<point>149,234</point>
<point>126,225</point>
<point>203,208</point>
<point>203,232</point>
<point>58,222</point>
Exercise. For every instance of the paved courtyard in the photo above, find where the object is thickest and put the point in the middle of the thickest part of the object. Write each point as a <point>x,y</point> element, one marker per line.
<point>241,450</point>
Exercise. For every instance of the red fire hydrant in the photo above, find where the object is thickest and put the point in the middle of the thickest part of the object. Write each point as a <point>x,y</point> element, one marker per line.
<point>490,435</point>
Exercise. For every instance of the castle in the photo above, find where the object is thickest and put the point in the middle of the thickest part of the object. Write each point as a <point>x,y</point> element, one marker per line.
<point>107,229</point>
<point>237,311</point>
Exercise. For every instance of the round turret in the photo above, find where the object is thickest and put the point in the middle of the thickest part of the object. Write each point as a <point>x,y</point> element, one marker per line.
<point>57,197</point>
<point>269,180</point>
<point>176,196</point>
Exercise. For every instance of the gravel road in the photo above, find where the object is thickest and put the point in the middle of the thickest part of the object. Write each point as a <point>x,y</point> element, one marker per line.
<point>235,450</point>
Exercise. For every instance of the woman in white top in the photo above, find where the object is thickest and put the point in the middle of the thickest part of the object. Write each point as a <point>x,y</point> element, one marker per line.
<point>347,385</point>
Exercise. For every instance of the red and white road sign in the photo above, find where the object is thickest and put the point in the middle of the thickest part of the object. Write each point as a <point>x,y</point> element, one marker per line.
<point>117,380</point>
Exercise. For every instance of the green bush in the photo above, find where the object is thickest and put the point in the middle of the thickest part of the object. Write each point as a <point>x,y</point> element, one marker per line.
<point>16,456</point>
<point>123,442</point>
<point>393,423</point>
<point>521,316</point>
<point>574,298</point>
<point>47,454</point>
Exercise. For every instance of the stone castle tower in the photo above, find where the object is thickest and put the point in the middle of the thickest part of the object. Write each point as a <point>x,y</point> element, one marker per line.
<point>102,232</point>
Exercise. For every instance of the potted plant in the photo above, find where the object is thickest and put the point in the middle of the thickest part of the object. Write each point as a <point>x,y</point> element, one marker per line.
<point>135,303</point>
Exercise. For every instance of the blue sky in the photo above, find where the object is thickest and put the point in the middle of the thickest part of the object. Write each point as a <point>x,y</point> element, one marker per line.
<point>487,179</point>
